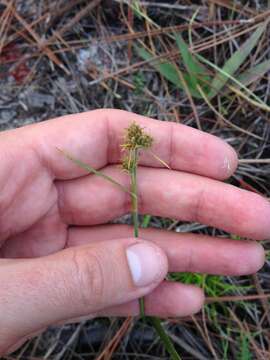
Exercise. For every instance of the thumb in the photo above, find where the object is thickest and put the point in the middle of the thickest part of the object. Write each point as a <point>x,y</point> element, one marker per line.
<point>74,282</point>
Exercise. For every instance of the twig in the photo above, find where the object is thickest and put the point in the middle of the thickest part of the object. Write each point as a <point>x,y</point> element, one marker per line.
<point>254,161</point>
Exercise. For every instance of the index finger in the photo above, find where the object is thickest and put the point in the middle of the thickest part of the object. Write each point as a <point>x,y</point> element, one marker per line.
<point>95,137</point>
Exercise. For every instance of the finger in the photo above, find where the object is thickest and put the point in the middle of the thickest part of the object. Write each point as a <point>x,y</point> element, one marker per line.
<point>75,282</point>
<point>95,137</point>
<point>169,194</point>
<point>185,252</point>
<point>169,299</point>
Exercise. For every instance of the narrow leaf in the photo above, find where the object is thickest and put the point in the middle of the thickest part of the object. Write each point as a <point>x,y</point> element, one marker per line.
<point>160,160</point>
<point>235,61</point>
<point>253,74</point>
<point>196,71</point>
<point>90,169</point>
<point>168,70</point>
<point>257,101</point>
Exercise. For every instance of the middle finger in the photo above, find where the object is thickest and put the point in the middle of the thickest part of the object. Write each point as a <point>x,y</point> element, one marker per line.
<point>185,252</point>
<point>92,200</point>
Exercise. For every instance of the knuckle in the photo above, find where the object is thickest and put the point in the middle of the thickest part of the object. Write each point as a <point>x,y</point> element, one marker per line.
<point>199,206</point>
<point>88,277</point>
<point>189,261</point>
<point>65,209</point>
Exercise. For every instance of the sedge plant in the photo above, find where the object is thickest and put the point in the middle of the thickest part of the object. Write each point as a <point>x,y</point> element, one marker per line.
<point>135,141</point>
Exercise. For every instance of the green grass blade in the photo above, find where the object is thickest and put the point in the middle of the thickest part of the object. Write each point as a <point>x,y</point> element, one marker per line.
<point>146,221</point>
<point>167,70</point>
<point>235,61</point>
<point>253,74</point>
<point>156,322</point>
<point>91,170</point>
<point>245,353</point>
<point>257,101</point>
<point>197,72</point>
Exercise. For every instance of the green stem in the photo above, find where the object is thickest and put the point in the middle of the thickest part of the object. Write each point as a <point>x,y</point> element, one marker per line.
<point>135,216</point>
<point>165,338</point>
<point>134,201</point>
<point>134,198</point>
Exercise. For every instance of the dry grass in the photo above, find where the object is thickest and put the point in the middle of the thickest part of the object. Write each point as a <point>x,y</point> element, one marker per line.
<point>62,57</point>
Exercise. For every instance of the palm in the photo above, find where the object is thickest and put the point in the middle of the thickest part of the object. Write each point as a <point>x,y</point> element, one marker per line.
<point>48,203</point>
<point>31,224</point>
<point>45,193</point>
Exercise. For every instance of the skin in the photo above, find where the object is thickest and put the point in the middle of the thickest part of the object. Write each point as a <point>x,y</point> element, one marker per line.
<point>61,262</point>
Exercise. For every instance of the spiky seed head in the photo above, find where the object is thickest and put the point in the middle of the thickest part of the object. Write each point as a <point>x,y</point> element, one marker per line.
<point>136,138</point>
<point>128,163</point>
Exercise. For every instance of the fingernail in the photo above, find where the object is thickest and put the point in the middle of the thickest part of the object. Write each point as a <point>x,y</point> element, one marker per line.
<point>147,264</point>
<point>230,162</point>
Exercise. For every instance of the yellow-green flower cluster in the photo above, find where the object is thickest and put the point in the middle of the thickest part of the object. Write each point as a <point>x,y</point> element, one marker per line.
<point>136,138</point>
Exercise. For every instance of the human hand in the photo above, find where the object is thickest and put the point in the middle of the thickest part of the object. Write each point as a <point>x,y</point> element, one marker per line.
<point>60,262</point>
